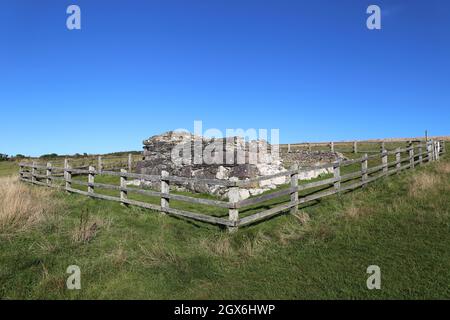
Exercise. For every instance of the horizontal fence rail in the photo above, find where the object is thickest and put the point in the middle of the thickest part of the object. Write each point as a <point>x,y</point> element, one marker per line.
<point>288,198</point>
<point>102,162</point>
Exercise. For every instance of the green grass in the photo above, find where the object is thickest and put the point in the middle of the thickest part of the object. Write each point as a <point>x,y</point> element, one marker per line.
<point>8,168</point>
<point>139,253</point>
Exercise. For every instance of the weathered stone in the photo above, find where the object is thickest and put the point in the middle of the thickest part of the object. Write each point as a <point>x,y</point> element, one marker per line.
<point>244,194</point>
<point>250,160</point>
<point>223,173</point>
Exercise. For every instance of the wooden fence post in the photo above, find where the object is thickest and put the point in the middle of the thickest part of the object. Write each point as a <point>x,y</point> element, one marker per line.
<point>438,150</point>
<point>67,175</point>
<point>383,146</point>
<point>430,152</point>
<point>332,146</point>
<point>420,153</point>
<point>411,156</point>
<point>398,159</point>
<point>21,171</point>
<point>433,147</point>
<point>289,148</point>
<point>49,174</point>
<point>33,172</point>
<point>165,190</point>
<point>364,167</point>
<point>130,162</point>
<point>294,193</point>
<point>436,155</point>
<point>233,213</point>
<point>100,164</point>
<point>337,175</point>
<point>384,161</point>
<point>91,179</point>
<point>123,188</point>
<point>355,146</point>
<point>433,156</point>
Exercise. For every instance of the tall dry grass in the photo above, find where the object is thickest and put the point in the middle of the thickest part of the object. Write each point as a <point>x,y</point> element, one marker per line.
<point>443,167</point>
<point>218,246</point>
<point>22,206</point>
<point>422,184</point>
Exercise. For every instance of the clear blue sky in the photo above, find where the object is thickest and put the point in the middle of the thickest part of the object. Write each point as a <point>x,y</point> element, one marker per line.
<point>139,68</point>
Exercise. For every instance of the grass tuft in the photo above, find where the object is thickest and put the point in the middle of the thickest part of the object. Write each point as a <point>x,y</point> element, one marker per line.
<point>86,229</point>
<point>443,167</point>
<point>291,231</point>
<point>422,184</point>
<point>218,246</point>
<point>158,255</point>
<point>253,245</point>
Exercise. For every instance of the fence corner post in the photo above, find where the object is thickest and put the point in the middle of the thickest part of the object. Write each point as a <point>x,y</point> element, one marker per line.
<point>123,188</point>
<point>91,179</point>
<point>294,187</point>
<point>233,212</point>
<point>332,146</point>
<point>165,191</point>
<point>364,167</point>
<point>355,146</point>
<point>49,174</point>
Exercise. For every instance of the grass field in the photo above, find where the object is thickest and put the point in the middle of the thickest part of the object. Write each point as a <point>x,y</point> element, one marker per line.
<point>8,168</point>
<point>400,223</point>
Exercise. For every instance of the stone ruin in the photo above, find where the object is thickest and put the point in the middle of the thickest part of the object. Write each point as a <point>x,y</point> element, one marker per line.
<point>232,158</point>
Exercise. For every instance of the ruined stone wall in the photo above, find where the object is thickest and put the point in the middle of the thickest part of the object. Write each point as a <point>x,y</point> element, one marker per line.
<point>229,158</point>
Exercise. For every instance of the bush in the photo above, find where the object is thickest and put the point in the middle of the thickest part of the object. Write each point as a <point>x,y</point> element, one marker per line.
<point>48,156</point>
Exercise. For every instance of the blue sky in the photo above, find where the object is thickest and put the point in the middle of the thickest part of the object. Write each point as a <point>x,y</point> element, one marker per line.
<point>138,68</point>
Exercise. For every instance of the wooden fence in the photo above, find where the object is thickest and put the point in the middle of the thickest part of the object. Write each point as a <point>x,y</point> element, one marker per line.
<point>347,175</point>
<point>102,162</point>
<point>363,146</point>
